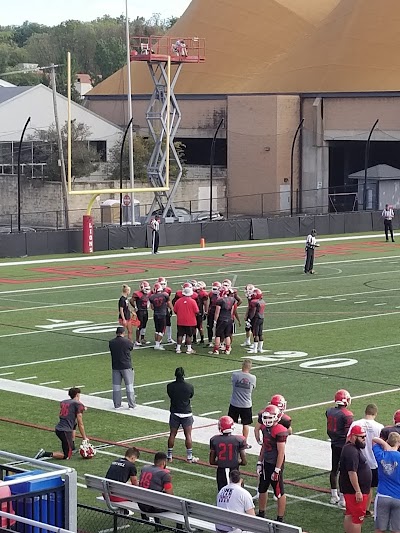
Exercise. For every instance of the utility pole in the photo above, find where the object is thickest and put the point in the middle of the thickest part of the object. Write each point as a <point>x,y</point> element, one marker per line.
<point>60,148</point>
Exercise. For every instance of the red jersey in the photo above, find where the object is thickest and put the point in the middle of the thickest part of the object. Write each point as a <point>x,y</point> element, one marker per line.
<point>202,299</point>
<point>168,290</point>
<point>338,422</point>
<point>186,310</point>
<point>141,300</point>
<point>271,437</point>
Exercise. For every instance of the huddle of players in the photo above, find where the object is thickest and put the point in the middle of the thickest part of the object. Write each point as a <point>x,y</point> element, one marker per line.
<point>227,452</point>
<point>218,307</point>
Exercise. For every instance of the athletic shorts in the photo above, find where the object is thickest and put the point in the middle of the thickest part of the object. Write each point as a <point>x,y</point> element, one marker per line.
<point>67,443</point>
<point>224,329</point>
<point>143,316</point>
<point>244,413</point>
<point>265,481</point>
<point>356,509</point>
<point>189,331</point>
<point>160,322</point>
<point>336,453</point>
<point>175,422</point>
<point>257,327</point>
<point>387,513</point>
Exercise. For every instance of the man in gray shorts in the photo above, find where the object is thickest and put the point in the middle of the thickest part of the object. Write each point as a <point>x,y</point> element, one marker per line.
<point>180,393</point>
<point>387,501</point>
<point>243,384</point>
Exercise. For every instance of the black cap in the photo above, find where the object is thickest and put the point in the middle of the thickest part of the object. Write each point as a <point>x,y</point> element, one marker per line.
<point>120,330</point>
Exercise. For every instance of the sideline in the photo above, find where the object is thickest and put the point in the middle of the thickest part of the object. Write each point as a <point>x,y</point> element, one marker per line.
<point>186,250</point>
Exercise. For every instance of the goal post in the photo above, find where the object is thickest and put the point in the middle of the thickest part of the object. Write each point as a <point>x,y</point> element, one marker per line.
<point>340,201</point>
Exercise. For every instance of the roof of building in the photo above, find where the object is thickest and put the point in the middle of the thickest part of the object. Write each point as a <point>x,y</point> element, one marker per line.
<point>242,40</point>
<point>378,172</point>
<point>4,83</point>
<point>355,49</point>
<point>7,93</point>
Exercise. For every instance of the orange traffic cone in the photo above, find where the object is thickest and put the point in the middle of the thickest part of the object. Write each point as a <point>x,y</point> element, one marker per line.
<point>202,243</point>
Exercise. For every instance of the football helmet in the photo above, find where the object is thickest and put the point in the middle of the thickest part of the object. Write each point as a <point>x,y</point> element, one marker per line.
<point>163,282</point>
<point>187,289</point>
<point>226,424</point>
<point>157,287</point>
<point>271,416</point>
<point>216,286</point>
<point>279,401</point>
<point>87,450</point>
<point>145,287</point>
<point>256,294</point>
<point>396,417</point>
<point>342,397</point>
<point>248,290</point>
<point>201,285</point>
<point>194,283</point>
<point>227,283</point>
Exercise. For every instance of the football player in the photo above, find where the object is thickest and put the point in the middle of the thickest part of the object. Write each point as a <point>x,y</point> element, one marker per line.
<point>168,328</point>
<point>223,322</point>
<point>140,303</point>
<point>160,303</point>
<point>227,284</point>
<point>248,290</point>
<point>393,428</point>
<point>285,420</point>
<point>124,470</point>
<point>255,316</point>
<point>227,451</point>
<point>202,302</point>
<point>271,460</point>
<point>213,296</point>
<point>338,422</point>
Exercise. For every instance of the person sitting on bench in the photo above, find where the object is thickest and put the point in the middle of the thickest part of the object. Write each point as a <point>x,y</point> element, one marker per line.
<point>156,477</point>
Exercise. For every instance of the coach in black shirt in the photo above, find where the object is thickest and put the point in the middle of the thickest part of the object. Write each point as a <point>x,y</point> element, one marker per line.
<point>121,363</point>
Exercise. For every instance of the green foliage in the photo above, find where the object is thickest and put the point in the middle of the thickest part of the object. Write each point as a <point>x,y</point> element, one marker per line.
<point>97,47</point>
<point>143,148</point>
<point>85,160</point>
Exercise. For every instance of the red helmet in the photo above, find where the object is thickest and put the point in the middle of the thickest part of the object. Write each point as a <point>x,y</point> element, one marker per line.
<point>271,415</point>
<point>215,287</point>
<point>162,282</point>
<point>342,397</point>
<point>145,287</point>
<point>227,283</point>
<point>87,450</point>
<point>396,417</point>
<point>279,401</point>
<point>226,424</point>
<point>157,287</point>
<point>194,283</point>
<point>256,294</point>
<point>187,289</point>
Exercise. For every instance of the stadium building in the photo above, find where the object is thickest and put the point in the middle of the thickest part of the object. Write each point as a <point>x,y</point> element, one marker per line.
<point>268,65</point>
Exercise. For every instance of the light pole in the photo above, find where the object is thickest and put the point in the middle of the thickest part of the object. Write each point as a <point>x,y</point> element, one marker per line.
<point>121,158</point>
<point>292,164</point>
<point>366,164</point>
<point>19,174</point>
<point>212,156</point>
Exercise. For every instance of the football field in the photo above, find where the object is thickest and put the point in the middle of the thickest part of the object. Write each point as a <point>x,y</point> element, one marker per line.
<point>335,329</point>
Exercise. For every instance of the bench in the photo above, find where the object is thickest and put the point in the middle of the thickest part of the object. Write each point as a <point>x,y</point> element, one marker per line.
<point>179,519</point>
<point>190,515</point>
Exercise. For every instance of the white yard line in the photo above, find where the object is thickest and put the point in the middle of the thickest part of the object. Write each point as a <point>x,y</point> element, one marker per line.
<point>48,382</point>
<point>26,379</point>
<point>7,374</point>
<point>153,402</point>
<point>304,431</point>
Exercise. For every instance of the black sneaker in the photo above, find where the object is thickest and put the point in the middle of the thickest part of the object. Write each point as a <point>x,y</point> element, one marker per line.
<point>41,453</point>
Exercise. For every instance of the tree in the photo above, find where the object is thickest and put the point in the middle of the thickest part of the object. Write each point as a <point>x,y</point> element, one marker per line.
<point>143,148</point>
<point>110,56</point>
<point>22,33</point>
<point>85,160</point>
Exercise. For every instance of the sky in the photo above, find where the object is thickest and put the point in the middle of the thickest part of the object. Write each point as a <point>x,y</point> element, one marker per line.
<point>52,12</point>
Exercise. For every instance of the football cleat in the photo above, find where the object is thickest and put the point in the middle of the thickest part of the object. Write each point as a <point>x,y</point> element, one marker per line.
<point>157,287</point>
<point>271,416</point>
<point>279,401</point>
<point>87,450</point>
<point>145,287</point>
<point>226,424</point>
<point>342,397</point>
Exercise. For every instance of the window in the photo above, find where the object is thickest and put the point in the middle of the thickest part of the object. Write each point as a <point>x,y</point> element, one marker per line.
<point>101,149</point>
<point>197,151</point>
<point>5,153</point>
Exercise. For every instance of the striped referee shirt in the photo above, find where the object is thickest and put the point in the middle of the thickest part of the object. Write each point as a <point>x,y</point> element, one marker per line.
<point>155,225</point>
<point>311,242</point>
<point>388,214</point>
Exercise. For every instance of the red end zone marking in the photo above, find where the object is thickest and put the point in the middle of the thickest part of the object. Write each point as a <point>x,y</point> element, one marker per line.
<point>131,267</point>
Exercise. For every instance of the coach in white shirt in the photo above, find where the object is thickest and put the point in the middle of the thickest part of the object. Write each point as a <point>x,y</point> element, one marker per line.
<point>372,429</point>
<point>388,215</point>
<point>234,497</point>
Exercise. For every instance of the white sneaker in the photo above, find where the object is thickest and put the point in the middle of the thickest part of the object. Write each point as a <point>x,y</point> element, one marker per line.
<point>171,341</point>
<point>227,351</point>
<point>211,345</point>
<point>190,351</point>
<point>246,344</point>
<point>159,348</point>
<point>178,351</point>
<point>342,504</point>
<point>334,500</point>
<point>251,351</point>
<point>262,351</point>
<point>138,344</point>
<point>193,460</point>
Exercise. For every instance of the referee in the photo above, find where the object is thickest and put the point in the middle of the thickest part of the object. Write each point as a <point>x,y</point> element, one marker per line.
<point>311,244</point>
<point>155,234</point>
<point>387,215</point>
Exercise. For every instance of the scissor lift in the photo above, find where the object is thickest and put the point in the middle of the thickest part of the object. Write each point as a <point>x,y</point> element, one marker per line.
<point>156,51</point>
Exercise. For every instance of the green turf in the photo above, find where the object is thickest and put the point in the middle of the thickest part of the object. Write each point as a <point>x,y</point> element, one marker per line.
<point>352,304</point>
